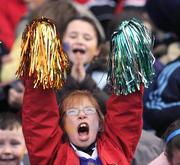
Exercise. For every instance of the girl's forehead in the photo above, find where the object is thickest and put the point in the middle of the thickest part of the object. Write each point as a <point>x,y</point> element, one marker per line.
<point>79,21</point>
<point>85,26</point>
<point>14,133</point>
<point>78,102</point>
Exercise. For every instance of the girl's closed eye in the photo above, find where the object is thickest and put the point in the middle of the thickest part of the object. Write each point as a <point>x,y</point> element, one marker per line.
<point>73,35</point>
<point>87,37</point>
<point>15,142</point>
<point>2,143</point>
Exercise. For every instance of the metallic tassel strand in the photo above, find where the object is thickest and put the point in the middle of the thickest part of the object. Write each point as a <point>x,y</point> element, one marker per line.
<point>130,59</point>
<point>42,55</point>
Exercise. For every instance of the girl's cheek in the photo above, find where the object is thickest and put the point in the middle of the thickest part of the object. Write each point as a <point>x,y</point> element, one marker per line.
<point>70,127</point>
<point>95,125</point>
<point>70,130</point>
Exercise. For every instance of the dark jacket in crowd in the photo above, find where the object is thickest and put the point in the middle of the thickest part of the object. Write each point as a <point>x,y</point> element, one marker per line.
<point>163,106</point>
<point>165,14</point>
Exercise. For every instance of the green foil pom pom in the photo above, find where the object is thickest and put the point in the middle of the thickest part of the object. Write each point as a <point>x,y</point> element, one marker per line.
<point>130,59</point>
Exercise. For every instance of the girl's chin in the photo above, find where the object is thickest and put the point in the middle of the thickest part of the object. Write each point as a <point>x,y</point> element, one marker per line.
<point>83,136</point>
<point>9,162</point>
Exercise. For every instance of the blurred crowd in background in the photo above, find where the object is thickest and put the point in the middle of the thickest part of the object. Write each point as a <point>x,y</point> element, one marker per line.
<point>161,17</point>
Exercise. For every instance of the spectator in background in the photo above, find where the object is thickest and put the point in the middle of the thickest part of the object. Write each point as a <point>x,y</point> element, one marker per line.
<point>148,148</point>
<point>60,11</point>
<point>83,46</point>
<point>171,155</point>
<point>104,10</point>
<point>165,14</point>
<point>11,89</point>
<point>54,10</point>
<point>163,106</point>
<point>11,12</point>
<point>32,5</point>
<point>131,9</point>
<point>12,145</point>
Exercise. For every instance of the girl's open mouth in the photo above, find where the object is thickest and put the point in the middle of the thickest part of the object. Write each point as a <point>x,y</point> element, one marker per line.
<point>83,130</point>
<point>79,50</point>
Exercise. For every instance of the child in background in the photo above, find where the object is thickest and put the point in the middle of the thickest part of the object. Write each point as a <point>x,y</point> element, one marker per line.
<point>171,156</point>
<point>172,140</point>
<point>12,145</point>
<point>82,42</point>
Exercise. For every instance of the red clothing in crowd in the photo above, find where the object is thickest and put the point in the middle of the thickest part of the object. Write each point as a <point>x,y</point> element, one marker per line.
<point>117,8</point>
<point>11,12</point>
<point>123,124</point>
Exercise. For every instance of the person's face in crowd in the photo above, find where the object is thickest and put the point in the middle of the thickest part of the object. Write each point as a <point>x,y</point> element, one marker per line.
<point>81,38</point>
<point>81,122</point>
<point>34,4</point>
<point>176,157</point>
<point>12,146</point>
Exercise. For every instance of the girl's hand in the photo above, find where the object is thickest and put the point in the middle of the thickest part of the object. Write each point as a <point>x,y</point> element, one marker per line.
<point>78,71</point>
<point>15,98</point>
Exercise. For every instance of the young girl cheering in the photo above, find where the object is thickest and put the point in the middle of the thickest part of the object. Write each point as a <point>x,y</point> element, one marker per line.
<point>78,134</point>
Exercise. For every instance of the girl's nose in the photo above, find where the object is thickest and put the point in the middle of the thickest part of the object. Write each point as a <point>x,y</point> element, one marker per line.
<point>80,39</point>
<point>82,115</point>
<point>7,150</point>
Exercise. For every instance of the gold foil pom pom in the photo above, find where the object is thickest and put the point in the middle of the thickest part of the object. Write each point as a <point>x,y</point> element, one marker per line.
<point>42,55</point>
